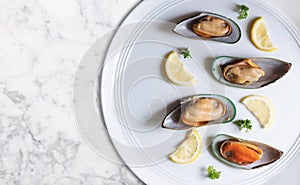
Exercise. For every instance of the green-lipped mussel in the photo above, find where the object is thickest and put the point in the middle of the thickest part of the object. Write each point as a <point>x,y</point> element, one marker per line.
<point>200,110</point>
<point>242,153</point>
<point>211,26</point>
<point>251,73</point>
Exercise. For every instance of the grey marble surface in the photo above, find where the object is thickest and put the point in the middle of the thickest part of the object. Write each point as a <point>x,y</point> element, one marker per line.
<point>42,43</point>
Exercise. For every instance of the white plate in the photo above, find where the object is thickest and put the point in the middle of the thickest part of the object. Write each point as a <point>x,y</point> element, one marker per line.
<point>135,93</point>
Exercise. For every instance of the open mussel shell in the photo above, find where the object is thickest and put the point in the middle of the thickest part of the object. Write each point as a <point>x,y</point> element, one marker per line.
<point>274,69</point>
<point>185,28</point>
<point>173,119</point>
<point>270,154</point>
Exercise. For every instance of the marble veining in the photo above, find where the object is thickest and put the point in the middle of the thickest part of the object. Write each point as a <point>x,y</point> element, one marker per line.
<point>42,43</point>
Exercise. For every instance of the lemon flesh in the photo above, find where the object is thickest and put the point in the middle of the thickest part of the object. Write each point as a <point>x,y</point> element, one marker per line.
<point>176,72</point>
<point>189,150</point>
<point>262,108</point>
<point>260,37</point>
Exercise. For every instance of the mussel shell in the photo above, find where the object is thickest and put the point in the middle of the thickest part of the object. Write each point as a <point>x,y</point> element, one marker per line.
<point>172,119</point>
<point>270,154</point>
<point>185,28</point>
<point>274,69</point>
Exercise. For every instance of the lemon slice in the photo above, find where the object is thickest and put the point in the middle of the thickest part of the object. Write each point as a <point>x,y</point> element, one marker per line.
<point>262,108</point>
<point>189,150</point>
<point>260,37</point>
<point>176,71</point>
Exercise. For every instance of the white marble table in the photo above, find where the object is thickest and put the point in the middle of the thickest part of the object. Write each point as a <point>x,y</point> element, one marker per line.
<point>42,43</point>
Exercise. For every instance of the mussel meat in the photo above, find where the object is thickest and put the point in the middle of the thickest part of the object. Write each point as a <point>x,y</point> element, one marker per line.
<point>200,110</point>
<point>243,72</point>
<point>242,153</point>
<point>251,73</point>
<point>209,26</point>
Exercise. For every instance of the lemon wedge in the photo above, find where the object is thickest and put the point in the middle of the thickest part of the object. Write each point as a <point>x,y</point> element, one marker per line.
<point>176,72</point>
<point>260,37</point>
<point>189,150</point>
<point>262,108</point>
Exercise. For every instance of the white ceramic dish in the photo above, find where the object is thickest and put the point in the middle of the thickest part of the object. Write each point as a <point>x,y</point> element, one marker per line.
<point>135,93</point>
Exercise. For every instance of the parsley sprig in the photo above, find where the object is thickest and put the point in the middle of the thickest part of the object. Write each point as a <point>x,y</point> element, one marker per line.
<point>213,173</point>
<point>243,12</point>
<point>244,124</point>
<point>185,52</point>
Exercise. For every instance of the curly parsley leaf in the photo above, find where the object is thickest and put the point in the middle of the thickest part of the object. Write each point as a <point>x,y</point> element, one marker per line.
<point>244,124</point>
<point>243,12</point>
<point>213,173</point>
<point>186,53</point>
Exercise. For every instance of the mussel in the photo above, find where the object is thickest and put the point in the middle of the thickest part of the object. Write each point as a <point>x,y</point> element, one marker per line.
<point>206,25</point>
<point>243,72</point>
<point>200,110</point>
<point>251,73</point>
<point>212,26</point>
<point>242,153</point>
